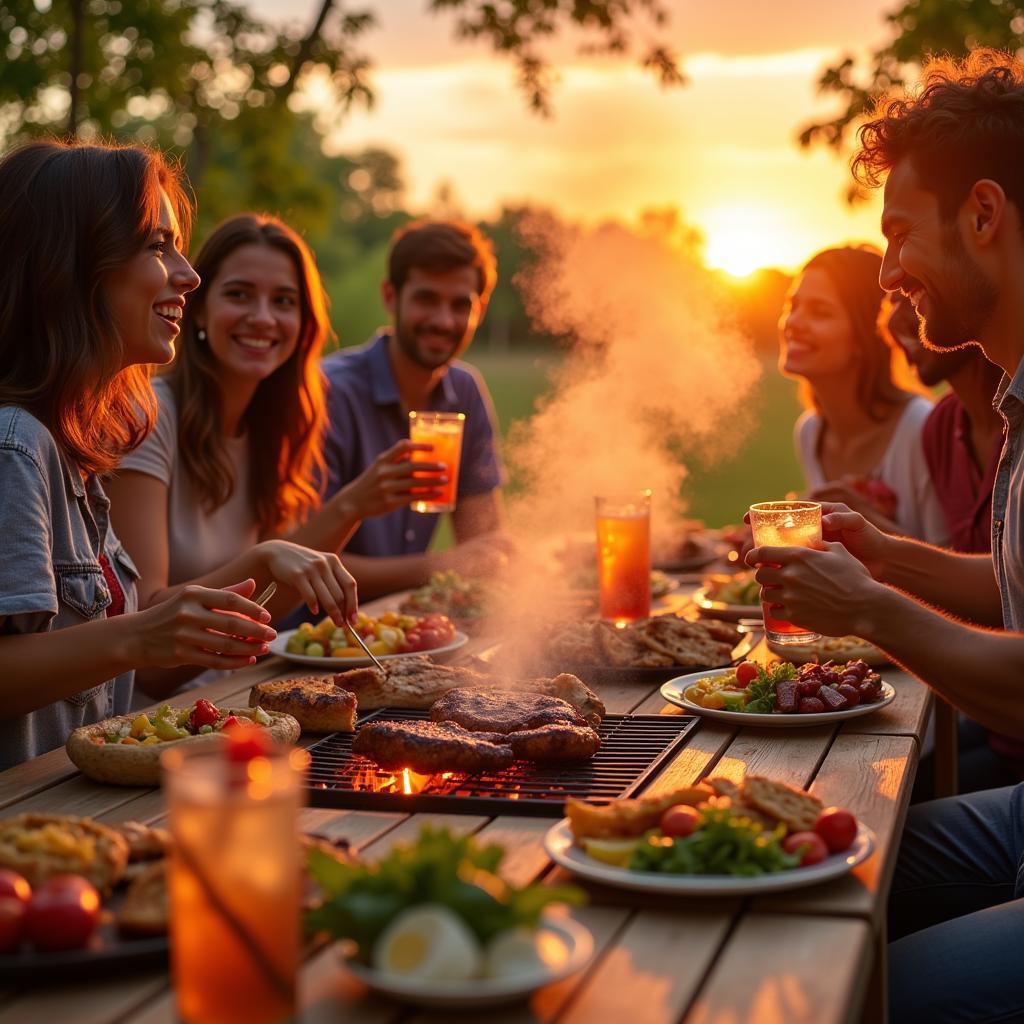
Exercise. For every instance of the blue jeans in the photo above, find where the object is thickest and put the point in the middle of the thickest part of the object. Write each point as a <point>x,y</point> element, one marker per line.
<point>956,912</point>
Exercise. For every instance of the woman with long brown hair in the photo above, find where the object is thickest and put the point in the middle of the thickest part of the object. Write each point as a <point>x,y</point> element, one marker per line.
<point>224,485</point>
<point>859,438</point>
<point>92,286</point>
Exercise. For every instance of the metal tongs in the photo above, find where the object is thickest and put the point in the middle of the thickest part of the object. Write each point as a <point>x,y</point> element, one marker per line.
<point>362,643</point>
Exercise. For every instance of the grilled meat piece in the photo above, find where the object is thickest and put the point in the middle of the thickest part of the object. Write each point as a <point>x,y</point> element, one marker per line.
<point>503,711</point>
<point>413,683</point>
<point>432,747</point>
<point>558,742</point>
<point>569,688</point>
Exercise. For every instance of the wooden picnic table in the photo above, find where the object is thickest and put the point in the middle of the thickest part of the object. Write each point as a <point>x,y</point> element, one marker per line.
<point>813,955</point>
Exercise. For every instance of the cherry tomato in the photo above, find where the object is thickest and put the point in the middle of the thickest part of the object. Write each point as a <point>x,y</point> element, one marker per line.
<point>62,913</point>
<point>681,820</point>
<point>12,922</point>
<point>429,638</point>
<point>813,847</point>
<point>837,827</point>
<point>413,642</point>
<point>230,721</point>
<point>13,884</point>
<point>746,673</point>
<point>204,713</point>
<point>246,741</point>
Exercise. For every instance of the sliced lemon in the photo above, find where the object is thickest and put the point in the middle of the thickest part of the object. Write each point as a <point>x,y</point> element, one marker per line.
<point>610,851</point>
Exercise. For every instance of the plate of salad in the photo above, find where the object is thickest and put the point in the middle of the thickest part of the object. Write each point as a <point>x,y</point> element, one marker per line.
<point>713,839</point>
<point>781,694</point>
<point>434,924</point>
<point>466,602</point>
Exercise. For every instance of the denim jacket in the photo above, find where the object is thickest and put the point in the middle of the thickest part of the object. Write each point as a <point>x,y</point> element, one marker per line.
<point>53,528</point>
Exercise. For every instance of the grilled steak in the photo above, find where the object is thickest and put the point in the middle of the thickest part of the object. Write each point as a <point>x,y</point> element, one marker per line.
<point>415,683</point>
<point>559,742</point>
<point>432,747</point>
<point>502,711</point>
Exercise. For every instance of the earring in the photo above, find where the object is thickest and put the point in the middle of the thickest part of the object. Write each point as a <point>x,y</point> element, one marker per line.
<point>201,334</point>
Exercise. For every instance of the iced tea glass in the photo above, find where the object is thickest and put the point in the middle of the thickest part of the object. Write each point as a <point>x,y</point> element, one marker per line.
<point>785,524</point>
<point>234,884</point>
<point>443,430</point>
<point>624,556</point>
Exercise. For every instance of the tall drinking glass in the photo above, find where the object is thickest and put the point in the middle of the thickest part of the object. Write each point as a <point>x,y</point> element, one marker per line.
<point>624,556</point>
<point>443,430</point>
<point>234,884</point>
<point>785,524</point>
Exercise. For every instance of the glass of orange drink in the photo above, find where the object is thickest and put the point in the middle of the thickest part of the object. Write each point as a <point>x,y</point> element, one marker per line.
<point>443,431</point>
<point>234,883</point>
<point>785,524</point>
<point>624,556</point>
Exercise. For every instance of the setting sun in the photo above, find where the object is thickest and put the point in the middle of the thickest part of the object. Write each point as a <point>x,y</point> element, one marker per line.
<point>742,239</point>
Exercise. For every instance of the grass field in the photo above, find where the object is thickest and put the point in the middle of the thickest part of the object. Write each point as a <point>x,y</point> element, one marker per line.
<point>762,468</point>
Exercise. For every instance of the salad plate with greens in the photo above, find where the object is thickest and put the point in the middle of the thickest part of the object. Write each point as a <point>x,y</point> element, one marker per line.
<point>434,924</point>
<point>781,694</point>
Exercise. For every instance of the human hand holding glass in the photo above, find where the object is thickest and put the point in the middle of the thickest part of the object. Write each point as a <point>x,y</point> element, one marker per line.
<point>785,524</point>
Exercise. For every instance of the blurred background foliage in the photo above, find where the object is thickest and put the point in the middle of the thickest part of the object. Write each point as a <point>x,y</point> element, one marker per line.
<point>209,82</point>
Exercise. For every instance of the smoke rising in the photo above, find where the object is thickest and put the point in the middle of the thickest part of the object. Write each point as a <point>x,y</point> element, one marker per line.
<point>654,377</point>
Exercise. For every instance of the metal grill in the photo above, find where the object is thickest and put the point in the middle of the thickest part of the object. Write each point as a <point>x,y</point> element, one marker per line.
<point>633,748</point>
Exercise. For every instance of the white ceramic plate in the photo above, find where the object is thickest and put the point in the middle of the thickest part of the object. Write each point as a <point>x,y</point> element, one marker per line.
<point>840,649</point>
<point>279,646</point>
<point>572,948</point>
<point>720,609</point>
<point>560,848</point>
<point>672,691</point>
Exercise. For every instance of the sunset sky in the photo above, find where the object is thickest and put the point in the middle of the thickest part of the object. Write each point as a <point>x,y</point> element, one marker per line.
<point>722,148</point>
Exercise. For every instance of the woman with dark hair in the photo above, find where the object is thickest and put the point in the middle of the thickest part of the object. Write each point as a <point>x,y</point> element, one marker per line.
<point>93,287</point>
<point>225,476</point>
<point>859,438</point>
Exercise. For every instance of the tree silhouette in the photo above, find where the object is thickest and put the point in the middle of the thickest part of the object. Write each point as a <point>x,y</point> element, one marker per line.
<point>918,29</point>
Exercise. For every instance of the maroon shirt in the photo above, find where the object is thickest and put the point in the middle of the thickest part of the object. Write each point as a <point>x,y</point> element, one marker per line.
<point>963,491</point>
<point>966,498</point>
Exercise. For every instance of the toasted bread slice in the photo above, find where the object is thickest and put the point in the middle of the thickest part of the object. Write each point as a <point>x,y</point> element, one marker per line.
<point>313,701</point>
<point>145,909</point>
<point>796,808</point>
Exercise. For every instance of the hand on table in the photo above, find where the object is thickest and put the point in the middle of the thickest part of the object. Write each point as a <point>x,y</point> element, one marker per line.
<point>199,626</point>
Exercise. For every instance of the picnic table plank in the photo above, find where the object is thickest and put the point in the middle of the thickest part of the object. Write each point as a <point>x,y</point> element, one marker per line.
<point>781,970</point>
<point>871,776</point>
<point>907,715</point>
<point>653,970</point>
<point>789,755</point>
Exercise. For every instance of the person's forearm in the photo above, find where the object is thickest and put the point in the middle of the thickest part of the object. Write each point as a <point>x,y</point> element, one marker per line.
<point>160,683</point>
<point>40,668</point>
<point>963,585</point>
<point>331,527</point>
<point>979,671</point>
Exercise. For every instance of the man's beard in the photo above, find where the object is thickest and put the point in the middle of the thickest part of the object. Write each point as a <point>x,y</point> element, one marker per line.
<point>407,343</point>
<point>959,315</point>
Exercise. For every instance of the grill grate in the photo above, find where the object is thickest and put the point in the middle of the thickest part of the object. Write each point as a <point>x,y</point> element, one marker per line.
<point>633,747</point>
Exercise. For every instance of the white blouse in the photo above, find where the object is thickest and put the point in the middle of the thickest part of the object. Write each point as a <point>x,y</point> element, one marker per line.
<point>903,468</point>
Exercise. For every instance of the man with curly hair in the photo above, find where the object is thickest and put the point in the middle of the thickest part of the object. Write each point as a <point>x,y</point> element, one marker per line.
<point>952,161</point>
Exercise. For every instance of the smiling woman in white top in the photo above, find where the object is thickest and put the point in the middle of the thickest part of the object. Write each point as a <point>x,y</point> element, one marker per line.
<point>859,438</point>
<point>226,483</point>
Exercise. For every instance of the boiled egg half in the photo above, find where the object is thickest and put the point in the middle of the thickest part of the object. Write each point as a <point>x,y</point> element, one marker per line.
<point>429,942</point>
